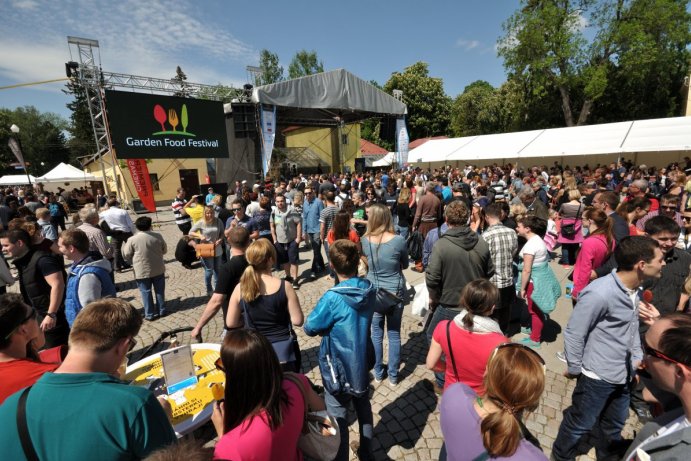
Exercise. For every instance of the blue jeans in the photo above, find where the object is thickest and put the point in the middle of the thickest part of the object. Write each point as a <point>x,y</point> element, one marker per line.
<point>159,285</point>
<point>440,313</point>
<point>598,405</point>
<point>317,259</point>
<point>326,250</point>
<point>393,331</point>
<point>337,407</point>
<point>210,266</point>
<point>402,231</point>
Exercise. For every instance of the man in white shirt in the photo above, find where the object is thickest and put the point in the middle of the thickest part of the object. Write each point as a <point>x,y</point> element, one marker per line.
<point>120,227</point>
<point>667,348</point>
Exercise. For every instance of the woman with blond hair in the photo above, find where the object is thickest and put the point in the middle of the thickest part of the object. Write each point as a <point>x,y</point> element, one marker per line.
<point>209,229</point>
<point>387,257</point>
<point>490,425</point>
<point>570,234</point>
<point>404,215</point>
<point>267,304</point>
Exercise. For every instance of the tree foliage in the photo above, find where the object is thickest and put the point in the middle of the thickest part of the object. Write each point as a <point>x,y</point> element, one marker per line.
<point>594,55</point>
<point>181,79</point>
<point>81,141</point>
<point>271,70</point>
<point>219,92</point>
<point>41,137</point>
<point>429,108</point>
<point>305,63</point>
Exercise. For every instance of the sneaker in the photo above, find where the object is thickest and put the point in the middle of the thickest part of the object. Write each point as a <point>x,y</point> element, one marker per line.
<point>393,383</point>
<point>378,380</point>
<point>526,331</point>
<point>313,276</point>
<point>530,343</point>
<point>296,285</point>
<point>560,355</point>
<point>288,279</point>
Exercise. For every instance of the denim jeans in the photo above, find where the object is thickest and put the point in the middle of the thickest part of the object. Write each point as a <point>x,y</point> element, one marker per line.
<point>159,285</point>
<point>326,250</point>
<point>393,332</point>
<point>317,259</point>
<point>402,231</point>
<point>210,266</point>
<point>337,407</point>
<point>569,252</point>
<point>596,404</point>
<point>440,313</point>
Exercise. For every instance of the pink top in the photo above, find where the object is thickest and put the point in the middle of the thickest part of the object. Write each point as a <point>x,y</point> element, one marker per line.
<point>470,351</point>
<point>253,440</point>
<point>592,255</point>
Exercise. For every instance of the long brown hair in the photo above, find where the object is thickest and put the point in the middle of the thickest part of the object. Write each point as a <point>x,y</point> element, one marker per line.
<point>260,255</point>
<point>341,225</point>
<point>514,381</point>
<point>478,298</point>
<point>604,223</point>
<point>253,379</point>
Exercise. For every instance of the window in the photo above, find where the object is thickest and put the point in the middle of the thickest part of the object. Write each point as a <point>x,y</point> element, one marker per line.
<point>154,181</point>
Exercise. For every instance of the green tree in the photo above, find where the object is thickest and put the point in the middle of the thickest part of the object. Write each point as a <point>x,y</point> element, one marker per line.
<point>429,108</point>
<point>219,92</point>
<point>81,141</point>
<point>370,129</point>
<point>472,112</point>
<point>305,63</point>
<point>181,79</point>
<point>271,70</point>
<point>636,44</point>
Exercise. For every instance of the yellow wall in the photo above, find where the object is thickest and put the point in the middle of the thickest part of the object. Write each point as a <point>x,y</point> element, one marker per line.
<point>166,169</point>
<point>323,142</point>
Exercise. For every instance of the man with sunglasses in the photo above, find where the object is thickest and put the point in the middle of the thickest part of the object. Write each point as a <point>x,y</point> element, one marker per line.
<point>603,350</point>
<point>83,410</point>
<point>20,337</point>
<point>684,242</point>
<point>667,348</point>
<point>669,204</point>
<point>239,219</point>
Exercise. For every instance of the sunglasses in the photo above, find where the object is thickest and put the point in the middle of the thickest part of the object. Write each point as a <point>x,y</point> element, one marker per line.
<point>32,315</point>
<point>668,207</point>
<point>521,346</point>
<point>659,355</point>
<point>235,210</point>
<point>219,365</point>
<point>687,218</point>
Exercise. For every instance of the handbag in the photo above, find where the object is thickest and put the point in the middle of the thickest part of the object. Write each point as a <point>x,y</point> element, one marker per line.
<point>320,438</point>
<point>285,349</point>
<point>440,366</point>
<point>384,301</point>
<point>569,230</point>
<point>205,250</point>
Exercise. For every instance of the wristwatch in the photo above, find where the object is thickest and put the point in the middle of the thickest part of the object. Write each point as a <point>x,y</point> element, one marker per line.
<point>52,315</point>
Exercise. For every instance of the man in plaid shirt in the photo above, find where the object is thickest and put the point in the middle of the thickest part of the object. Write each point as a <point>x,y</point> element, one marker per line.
<point>503,245</point>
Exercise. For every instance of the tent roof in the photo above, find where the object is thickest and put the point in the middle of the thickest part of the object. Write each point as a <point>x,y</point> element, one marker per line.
<point>16,180</point>
<point>387,160</point>
<point>324,98</point>
<point>655,135</point>
<point>64,172</point>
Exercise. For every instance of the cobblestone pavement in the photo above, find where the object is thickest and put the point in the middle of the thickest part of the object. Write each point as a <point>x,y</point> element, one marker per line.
<point>406,416</point>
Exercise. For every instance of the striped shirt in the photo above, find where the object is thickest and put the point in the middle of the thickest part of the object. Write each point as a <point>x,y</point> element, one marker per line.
<point>327,216</point>
<point>177,206</point>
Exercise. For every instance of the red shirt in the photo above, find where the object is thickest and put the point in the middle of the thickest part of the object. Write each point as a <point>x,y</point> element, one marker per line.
<point>352,236</point>
<point>470,351</point>
<point>21,373</point>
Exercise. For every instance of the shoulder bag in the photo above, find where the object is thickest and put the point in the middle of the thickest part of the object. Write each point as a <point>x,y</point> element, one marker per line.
<point>440,367</point>
<point>385,301</point>
<point>569,230</point>
<point>320,438</point>
<point>23,428</point>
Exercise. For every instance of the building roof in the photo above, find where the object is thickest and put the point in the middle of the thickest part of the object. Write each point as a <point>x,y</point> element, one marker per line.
<point>369,148</point>
<point>421,141</point>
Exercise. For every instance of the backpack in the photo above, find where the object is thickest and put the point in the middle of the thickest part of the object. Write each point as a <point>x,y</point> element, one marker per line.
<point>415,244</point>
<point>184,253</point>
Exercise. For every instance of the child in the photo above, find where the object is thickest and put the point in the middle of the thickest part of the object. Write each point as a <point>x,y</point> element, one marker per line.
<point>48,230</point>
<point>550,238</point>
<point>343,317</point>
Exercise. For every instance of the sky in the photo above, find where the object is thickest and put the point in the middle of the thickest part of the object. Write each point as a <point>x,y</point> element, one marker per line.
<point>214,40</point>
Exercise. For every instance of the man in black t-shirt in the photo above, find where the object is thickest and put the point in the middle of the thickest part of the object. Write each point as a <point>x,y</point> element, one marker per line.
<point>229,277</point>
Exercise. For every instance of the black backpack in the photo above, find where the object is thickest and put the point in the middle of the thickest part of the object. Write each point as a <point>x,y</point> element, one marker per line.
<point>415,243</point>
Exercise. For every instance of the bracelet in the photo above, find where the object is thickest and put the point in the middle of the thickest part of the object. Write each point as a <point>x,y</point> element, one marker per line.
<point>52,315</point>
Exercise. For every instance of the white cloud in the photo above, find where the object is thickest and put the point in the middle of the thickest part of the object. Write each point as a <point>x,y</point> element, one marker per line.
<point>146,38</point>
<point>467,45</point>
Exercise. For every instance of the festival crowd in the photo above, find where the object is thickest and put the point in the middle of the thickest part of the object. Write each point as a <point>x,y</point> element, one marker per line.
<point>485,239</point>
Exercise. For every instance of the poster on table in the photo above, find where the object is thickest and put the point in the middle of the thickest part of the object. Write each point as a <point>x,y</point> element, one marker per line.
<point>156,126</point>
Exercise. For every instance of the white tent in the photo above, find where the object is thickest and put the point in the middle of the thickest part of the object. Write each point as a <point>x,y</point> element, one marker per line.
<point>66,173</point>
<point>642,140</point>
<point>16,180</point>
<point>386,161</point>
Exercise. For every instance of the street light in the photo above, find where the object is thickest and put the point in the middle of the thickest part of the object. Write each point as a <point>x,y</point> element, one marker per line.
<point>16,147</point>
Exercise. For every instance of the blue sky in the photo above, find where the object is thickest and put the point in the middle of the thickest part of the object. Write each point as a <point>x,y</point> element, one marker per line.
<point>213,41</point>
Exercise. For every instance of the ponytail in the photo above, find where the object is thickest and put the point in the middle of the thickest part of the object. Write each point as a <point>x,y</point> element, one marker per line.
<point>249,284</point>
<point>468,320</point>
<point>501,433</point>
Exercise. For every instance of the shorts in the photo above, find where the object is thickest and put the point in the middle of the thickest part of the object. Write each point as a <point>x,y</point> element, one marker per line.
<point>287,252</point>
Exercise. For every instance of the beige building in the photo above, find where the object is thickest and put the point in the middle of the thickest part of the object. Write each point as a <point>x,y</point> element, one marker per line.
<point>166,176</point>
<point>333,147</point>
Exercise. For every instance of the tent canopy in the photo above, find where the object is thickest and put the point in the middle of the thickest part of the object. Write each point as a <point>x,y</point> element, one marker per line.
<point>327,98</point>
<point>655,135</point>
<point>16,180</point>
<point>66,173</point>
<point>386,161</point>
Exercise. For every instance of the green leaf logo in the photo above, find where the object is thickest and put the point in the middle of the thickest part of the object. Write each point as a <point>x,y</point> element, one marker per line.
<point>183,118</point>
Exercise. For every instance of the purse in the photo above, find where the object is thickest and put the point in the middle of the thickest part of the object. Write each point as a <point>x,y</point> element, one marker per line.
<point>285,349</point>
<point>384,301</point>
<point>569,230</point>
<point>320,438</point>
<point>205,250</point>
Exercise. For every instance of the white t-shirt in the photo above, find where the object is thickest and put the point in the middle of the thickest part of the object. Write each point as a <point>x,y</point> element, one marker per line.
<point>535,246</point>
<point>673,426</point>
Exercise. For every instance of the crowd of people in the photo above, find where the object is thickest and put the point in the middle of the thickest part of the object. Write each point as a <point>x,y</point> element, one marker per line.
<point>485,239</point>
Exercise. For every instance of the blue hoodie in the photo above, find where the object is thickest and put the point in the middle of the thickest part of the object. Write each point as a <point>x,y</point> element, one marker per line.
<point>343,317</point>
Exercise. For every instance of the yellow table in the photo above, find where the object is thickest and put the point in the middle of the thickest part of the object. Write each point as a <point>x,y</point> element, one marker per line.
<point>191,406</point>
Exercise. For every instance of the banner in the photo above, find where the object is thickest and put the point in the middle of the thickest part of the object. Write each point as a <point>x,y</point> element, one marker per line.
<point>401,142</point>
<point>142,182</point>
<point>268,124</point>
<point>155,126</point>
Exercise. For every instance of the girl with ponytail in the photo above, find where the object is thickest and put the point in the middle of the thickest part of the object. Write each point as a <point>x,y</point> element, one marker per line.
<point>469,338</point>
<point>595,250</point>
<point>514,382</point>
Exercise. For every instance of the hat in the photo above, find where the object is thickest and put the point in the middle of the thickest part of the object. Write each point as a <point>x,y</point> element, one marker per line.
<point>482,202</point>
<point>211,189</point>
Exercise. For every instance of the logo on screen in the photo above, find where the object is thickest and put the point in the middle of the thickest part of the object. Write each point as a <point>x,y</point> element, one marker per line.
<point>171,116</point>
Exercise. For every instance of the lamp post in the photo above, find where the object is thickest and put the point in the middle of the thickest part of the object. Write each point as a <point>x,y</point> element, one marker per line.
<point>16,148</point>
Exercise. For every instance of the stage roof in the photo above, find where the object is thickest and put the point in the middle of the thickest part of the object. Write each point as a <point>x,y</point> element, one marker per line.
<point>324,98</point>
<point>655,135</point>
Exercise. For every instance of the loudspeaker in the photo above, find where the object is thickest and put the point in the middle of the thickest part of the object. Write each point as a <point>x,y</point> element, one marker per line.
<point>244,118</point>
